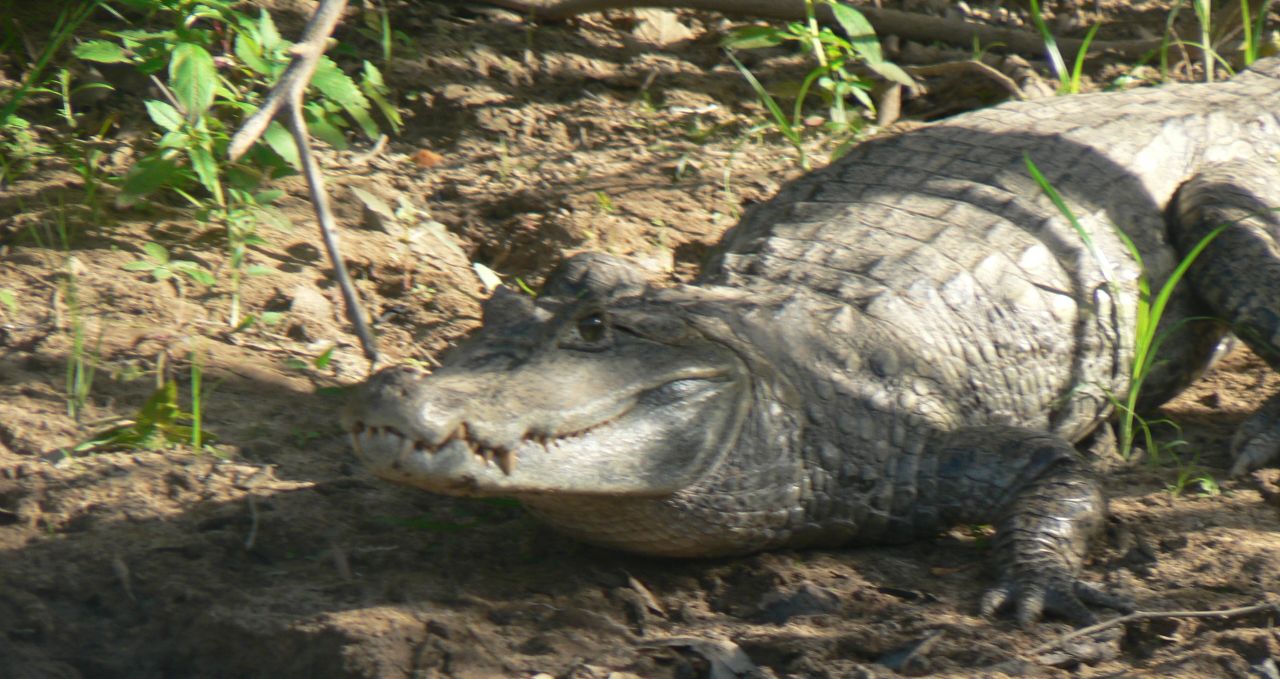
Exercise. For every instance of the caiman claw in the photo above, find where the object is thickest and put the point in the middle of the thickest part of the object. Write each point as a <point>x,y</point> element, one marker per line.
<point>1032,597</point>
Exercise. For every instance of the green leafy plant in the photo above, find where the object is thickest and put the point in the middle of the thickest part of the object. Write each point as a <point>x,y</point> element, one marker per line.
<point>197,402</point>
<point>161,267</point>
<point>1204,17</point>
<point>20,145</point>
<point>833,78</point>
<point>159,423</point>
<point>19,148</point>
<point>215,59</point>
<point>320,362</point>
<point>1252,26</point>
<point>267,318</point>
<point>1252,42</point>
<point>69,19</point>
<point>1068,80</point>
<point>81,361</point>
<point>1194,476</point>
<point>1148,338</point>
<point>605,203</point>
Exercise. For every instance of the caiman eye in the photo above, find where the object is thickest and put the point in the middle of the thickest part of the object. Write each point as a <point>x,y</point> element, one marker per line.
<point>591,328</point>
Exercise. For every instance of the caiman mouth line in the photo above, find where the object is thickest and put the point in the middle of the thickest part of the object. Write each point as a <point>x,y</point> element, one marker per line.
<point>504,458</point>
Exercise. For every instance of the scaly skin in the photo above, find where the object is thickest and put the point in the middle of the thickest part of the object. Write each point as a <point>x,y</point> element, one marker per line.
<point>911,338</point>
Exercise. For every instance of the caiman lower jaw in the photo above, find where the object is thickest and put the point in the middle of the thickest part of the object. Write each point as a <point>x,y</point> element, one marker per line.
<point>654,444</point>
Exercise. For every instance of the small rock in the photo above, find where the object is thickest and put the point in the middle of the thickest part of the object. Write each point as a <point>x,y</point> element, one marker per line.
<point>807,599</point>
<point>375,212</point>
<point>311,315</point>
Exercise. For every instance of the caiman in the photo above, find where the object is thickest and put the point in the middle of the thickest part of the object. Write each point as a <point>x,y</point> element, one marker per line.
<point>911,338</point>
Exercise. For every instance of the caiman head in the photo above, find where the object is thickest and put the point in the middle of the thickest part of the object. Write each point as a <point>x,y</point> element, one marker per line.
<point>589,399</point>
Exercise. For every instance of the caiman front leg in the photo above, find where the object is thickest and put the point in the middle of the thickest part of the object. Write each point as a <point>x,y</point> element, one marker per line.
<point>1238,275</point>
<point>1046,508</point>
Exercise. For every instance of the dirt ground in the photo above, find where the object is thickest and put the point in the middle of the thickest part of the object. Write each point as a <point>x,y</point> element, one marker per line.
<point>272,554</point>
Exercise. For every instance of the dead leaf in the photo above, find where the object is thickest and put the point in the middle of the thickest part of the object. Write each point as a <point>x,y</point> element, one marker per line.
<point>425,158</point>
<point>660,27</point>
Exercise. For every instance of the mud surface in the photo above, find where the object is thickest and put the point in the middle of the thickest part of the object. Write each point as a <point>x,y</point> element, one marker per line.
<point>273,554</point>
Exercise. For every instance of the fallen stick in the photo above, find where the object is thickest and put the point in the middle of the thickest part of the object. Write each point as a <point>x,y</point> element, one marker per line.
<point>1154,615</point>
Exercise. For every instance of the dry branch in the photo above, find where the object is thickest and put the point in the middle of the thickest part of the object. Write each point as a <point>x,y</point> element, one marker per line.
<point>918,27</point>
<point>287,94</point>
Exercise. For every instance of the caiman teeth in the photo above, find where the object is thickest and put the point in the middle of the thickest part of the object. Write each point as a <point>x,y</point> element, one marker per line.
<point>506,460</point>
<point>363,435</point>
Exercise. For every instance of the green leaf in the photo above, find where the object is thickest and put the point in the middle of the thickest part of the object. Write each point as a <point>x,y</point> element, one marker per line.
<point>161,408</point>
<point>246,322</point>
<point>860,32</point>
<point>324,128</point>
<point>336,85</point>
<point>164,114</point>
<point>296,364</point>
<point>342,90</point>
<point>206,167</point>
<point>268,35</point>
<point>161,273</point>
<point>201,12</point>
<point>139,266</point>
<point>9,300</point>
<point>322,361</point>
<point>376,90</point>
<point>178,139</point>
<point>101,51</point>
<point>193,78</point>
<point>280,141</point>
<point>891,71</point>
<point>779,118</point>
<point>271,317</point>
<point>249,52</point>
<point>148,174</point>
<point>753,37</point>
<point>259,270</point>
<point>195,272</point>
<point>157,253</point>
<point>139,36</point>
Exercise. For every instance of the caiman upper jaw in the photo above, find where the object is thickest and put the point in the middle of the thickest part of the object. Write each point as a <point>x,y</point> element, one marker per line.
<point>389,438</point>
<point>648,443</point>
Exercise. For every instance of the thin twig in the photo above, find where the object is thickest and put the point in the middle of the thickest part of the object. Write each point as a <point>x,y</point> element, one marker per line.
<point>328,230</point>
<point>1154,615</point>
<point>969,65</point>
<point>288,95</point>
